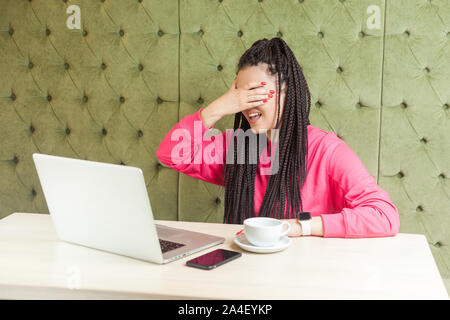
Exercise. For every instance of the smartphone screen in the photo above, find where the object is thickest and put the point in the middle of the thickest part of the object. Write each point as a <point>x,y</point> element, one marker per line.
<point>213,259</point>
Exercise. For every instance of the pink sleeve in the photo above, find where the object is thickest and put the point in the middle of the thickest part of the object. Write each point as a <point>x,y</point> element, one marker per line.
<point>185,150</point>
<point>369,211</point>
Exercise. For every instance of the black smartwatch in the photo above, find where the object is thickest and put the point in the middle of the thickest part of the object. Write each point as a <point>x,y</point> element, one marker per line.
<point>304,218</point>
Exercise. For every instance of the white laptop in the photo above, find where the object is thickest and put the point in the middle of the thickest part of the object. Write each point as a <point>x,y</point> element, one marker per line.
<point>106,207</point>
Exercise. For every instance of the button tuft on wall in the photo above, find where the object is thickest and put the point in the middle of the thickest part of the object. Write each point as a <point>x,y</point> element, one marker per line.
<point>159,100</point>
<point>140,133</point>
<point>219,67</point>
<point>67,131</point>
<point>49,98</point>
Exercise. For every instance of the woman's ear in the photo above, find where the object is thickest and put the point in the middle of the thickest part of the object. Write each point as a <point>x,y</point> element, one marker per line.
<point>234,84</point>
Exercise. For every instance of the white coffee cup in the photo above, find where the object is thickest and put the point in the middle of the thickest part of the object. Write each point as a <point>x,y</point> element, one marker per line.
<point>265,232</point>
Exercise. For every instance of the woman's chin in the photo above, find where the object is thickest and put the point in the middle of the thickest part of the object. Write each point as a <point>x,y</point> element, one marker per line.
<point>258,129</point>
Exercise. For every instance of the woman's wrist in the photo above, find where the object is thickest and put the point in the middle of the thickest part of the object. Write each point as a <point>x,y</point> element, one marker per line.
<point>296,227</point>
<point>210,116</point>
<point>317,226</point>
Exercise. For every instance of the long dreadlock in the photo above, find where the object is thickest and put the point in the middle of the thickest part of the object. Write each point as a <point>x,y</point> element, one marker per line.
<point>284,186</point>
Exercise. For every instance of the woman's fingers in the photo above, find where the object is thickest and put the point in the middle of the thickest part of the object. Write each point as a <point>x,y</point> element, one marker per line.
<point>253,85</point>
<point>260,91</point>
<point>254,104</point>
<point>254,94</point>
<point>257,97</point>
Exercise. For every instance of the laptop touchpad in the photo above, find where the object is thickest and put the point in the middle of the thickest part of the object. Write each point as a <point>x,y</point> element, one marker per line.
<point>165,232</point>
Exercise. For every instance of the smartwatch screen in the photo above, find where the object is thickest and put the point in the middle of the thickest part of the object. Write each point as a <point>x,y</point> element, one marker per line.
<point>304,216</point>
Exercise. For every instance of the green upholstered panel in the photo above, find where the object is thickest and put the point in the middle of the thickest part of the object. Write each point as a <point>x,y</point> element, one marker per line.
<point>415,144</point>
<point>111,91</point>
<point>107,92</point>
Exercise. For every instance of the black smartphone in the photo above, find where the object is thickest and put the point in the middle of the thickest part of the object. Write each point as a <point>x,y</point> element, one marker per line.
<point>213,259</point>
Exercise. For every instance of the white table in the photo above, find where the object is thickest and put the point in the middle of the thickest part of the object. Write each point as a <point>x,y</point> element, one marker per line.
<point>34,264</point>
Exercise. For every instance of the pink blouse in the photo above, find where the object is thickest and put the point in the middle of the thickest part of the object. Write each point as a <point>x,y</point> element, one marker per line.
<point>337,186</point>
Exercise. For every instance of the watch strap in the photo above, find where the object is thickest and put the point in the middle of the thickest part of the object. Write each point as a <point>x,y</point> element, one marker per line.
<point>304,218</point>
<point>306,227</point>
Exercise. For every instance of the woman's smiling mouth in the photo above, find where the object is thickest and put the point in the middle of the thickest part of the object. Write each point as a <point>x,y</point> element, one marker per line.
<point>254,116</point>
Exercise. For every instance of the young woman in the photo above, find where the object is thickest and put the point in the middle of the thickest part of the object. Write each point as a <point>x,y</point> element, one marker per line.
<point>315,171</point>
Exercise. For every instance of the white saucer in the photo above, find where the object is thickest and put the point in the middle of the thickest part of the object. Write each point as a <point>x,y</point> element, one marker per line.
<point>242,242</point>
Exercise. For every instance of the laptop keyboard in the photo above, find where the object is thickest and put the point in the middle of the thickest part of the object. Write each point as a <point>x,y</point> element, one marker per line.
<point>169,245</point>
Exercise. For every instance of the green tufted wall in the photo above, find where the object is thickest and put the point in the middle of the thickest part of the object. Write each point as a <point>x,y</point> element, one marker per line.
<point>111,91</point>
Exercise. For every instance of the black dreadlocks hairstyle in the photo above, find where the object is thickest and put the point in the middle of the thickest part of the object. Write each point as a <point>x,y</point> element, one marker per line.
<point>284,186</point>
